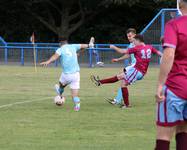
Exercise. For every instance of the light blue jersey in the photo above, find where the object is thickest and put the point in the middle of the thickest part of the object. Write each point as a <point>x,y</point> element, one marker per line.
<point>68,58</point>
<point>133,59</point>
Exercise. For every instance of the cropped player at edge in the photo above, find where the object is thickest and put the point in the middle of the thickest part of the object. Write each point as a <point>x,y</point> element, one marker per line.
<point>70,68</point>
<point>171,94</point>
<point>131,74</point>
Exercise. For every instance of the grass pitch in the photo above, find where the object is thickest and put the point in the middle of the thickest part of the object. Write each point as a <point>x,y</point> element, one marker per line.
<point>30,121</point>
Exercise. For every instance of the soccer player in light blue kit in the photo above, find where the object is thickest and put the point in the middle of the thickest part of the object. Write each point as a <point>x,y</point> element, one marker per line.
<point>70,68</point>
<point>131,32</point>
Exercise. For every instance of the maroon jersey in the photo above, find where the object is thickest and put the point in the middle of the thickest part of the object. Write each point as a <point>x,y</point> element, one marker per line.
<point>143,54</point>
<point>175,36</point>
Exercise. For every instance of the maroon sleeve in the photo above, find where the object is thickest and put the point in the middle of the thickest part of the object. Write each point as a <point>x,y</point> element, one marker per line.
<point>131,50</point>
<point>155,51</point>
<point>170,35</point>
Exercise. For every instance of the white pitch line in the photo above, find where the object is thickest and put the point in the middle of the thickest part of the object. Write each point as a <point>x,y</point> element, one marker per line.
<point>19,103</point>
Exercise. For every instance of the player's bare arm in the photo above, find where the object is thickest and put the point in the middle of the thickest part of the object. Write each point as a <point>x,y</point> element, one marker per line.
<point>159,53</point>
<point>119,50</point>
<point>50,60</point>
<point>90,45</point>
<point>165,67</point>
<point>83,46</point>
<point>126,56</point>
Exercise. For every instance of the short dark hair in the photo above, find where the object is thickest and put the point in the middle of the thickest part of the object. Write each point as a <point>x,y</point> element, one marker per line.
<point>62,40</point>
<point>131,30</point>
<point>139,37</point>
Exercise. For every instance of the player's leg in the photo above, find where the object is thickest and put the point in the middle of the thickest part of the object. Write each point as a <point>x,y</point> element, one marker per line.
<point>181,137</point>
<point>125,94</point>
<point>164,136</point>
<point>75,86</point>
<point>60,88</point>
<point>99,82</point>
<point>181,132</point>
<point>96,56</point>
<point>62,84</point>
<point>131,76</point>
<point>117,99</point>
<point>169,119</point>
<point>119,96</point>
<point>113,79</point>
<point>76,99</point>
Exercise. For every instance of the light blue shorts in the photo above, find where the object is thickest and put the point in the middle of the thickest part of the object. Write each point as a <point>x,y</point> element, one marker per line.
<point>172,111</point>
<point>132,75</point>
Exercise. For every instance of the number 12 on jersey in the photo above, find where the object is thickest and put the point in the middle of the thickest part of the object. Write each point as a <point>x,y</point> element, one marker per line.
<point>146,54</point>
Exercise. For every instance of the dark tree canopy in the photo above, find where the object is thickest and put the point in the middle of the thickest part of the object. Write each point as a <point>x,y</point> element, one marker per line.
<point>75,19</point>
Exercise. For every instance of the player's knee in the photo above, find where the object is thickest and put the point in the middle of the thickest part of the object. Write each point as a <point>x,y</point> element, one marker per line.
<point>62,85</point>
<point>181,128</point>
<point>124,84</point>
<point>120,76</point>
<point>165,133</point>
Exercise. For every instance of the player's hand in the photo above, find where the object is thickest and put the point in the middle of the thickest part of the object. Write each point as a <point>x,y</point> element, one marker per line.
<point>91,43</point>
<point>115,60</point>
<point>45,63</point>
<point>112,46</point>
<point>159,94</point>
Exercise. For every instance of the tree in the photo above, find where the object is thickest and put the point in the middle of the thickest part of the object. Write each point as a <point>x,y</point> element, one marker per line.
<point>61,17</point>
<point>65,17</point>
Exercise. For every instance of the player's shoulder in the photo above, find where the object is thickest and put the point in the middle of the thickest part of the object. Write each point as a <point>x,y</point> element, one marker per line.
<point>59,49</point>
<point>149,45</point>
<point>137,46</point>
<point>176,20</point>
<point>171,21</point>
<point>152,47</point>
<point>142,46</point>
<point>64,46</point>
<point>68,46</point>
<point>75,45</point>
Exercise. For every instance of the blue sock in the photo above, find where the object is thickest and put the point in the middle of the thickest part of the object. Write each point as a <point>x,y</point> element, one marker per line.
<point>61,90</point>
<point>76,101</point>
<point>119,96</point>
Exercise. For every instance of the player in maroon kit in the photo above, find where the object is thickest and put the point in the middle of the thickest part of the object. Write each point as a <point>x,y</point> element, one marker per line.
<point>131,74</point>
<point>171,92</point>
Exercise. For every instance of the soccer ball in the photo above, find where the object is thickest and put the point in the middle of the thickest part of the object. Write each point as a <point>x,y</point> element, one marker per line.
<point>58,100</point>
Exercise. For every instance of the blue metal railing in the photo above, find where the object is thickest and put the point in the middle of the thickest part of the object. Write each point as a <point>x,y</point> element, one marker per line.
<point>98,47</point>
<point>22,49</point>
<point>3,41</point>
<point>159,13</point>
<point>37,46</point>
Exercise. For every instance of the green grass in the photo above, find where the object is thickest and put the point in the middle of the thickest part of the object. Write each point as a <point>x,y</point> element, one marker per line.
<point>40,125</point>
